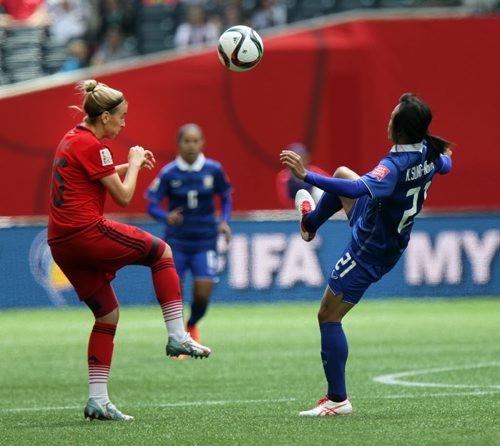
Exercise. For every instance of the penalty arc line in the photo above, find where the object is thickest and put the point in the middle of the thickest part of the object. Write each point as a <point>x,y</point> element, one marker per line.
<point>394,379</point>
<point>437,395</point>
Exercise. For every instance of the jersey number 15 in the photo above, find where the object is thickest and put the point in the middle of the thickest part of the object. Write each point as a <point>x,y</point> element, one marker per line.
<point>58,182</point>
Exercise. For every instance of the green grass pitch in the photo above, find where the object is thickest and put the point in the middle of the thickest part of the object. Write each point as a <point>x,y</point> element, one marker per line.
<point>264,369</point>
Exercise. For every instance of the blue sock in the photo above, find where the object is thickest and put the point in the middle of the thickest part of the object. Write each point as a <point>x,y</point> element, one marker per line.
<point>198,310</point>
<point>328,205</point>
<point>334,354</point>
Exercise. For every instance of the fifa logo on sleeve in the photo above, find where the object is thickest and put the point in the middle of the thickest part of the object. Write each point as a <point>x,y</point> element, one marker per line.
<point>380,172</point>
<point>106,158</point>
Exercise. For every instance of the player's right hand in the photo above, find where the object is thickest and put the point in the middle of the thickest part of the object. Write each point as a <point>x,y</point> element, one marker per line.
<point>175,217</point>
<point>294,162</point>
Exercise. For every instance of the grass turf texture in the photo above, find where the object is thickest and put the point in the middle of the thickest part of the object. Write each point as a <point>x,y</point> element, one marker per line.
<point>265,368</point>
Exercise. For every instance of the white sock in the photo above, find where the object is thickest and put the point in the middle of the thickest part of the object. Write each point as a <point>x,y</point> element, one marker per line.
<point>98,383</point>
<point>172,314</point>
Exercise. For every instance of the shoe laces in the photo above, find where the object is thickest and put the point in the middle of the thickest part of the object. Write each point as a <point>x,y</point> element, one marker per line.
<point>188,340</point>
<point>323,400</point>
<point>110,407</point>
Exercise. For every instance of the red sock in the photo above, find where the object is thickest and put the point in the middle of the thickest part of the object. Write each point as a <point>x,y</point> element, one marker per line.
<point>100,353</point>
<point>168,292</point>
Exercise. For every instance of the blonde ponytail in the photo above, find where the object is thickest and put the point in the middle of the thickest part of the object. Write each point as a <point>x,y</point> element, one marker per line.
<point>98,98</point>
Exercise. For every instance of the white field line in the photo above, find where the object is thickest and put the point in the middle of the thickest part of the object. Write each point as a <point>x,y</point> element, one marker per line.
<point>157,405</point>
<point>394,379</point>
<point>437,395</point>
<point>228,402</point>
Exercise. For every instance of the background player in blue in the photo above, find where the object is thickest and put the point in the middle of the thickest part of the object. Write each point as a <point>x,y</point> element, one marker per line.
<point>381,206</point>
<point>189,183</point>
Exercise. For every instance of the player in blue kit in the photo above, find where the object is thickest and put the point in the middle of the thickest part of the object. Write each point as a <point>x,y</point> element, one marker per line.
<point>190,183</point>
<point>381,206</point>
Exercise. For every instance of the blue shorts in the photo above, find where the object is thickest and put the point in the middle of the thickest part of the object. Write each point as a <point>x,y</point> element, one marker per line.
<point>351,276</point>
<point>202,264</point>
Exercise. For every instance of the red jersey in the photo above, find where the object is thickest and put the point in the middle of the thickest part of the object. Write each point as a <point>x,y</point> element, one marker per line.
<point>287,185</point>
<point>21,9</point>
<point>77,196</point>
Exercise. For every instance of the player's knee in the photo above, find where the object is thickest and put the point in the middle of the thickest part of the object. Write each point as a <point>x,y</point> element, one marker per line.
<point>202,290</point>
<point>167,252</point>
<point>322,312</point>
<point>342,172</point>
<point>110,318</point>
<point>104,304</point>
<point>201,296</point>
<point>320,316</point>
<point>329,313</point>
<point>345,173</point>
<point>323,315</point>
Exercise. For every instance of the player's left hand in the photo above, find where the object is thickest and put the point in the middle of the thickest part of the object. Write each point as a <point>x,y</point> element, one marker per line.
<point>226,230</point>
<point>149,160</point>
<point>294,163</point>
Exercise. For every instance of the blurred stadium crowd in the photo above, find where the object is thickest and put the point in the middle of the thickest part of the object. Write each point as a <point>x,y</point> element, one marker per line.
<point>42,37</point>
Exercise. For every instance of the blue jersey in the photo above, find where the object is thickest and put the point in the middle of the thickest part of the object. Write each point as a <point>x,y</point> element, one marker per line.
<point>398,187</point>
<point>192,188</point>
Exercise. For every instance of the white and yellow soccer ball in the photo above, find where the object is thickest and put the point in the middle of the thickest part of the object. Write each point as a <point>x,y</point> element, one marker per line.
<point>240,48</point>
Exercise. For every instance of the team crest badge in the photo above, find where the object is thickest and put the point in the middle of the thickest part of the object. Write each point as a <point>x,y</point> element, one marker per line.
<point>106,158</point>
<point>208,182</point>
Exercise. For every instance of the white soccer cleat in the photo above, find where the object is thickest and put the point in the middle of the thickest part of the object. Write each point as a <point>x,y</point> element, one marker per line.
<point>326,408</point>
<point>188,347</point>
<point>304,203</point>
<point>94,410</point>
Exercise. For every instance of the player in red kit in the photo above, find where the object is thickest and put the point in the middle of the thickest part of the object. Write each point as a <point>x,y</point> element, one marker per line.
<point>89,248</point>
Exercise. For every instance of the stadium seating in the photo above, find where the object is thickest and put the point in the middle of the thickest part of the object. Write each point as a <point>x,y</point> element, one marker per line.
<point>22,53</point>
<point>27,53</point>
<point>54,55</point>
<point>156,27</point>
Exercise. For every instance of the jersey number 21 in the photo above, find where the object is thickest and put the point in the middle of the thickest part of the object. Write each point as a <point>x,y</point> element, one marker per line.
<point>408,215</point>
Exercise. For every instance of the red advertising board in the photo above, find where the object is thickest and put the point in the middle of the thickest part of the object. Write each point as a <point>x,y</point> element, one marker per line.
<point>332,87</point>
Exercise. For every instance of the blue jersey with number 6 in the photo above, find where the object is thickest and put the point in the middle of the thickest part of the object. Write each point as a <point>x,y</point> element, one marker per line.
<point>191,188</point>
<point>398,187</point>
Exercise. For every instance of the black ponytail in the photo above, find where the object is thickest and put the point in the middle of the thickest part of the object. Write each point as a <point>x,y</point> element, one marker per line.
<point>436,146</point>
<point>411,124</point>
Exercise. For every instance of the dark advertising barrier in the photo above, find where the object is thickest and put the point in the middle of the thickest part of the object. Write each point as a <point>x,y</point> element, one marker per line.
<point>268,261</point>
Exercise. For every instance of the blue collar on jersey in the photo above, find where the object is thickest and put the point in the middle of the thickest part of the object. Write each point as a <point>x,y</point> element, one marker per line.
<point>195,167</point>
<point>407,147</point>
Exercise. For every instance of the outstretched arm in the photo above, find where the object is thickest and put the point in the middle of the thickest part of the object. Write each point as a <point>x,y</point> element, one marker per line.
<point>337,186</point>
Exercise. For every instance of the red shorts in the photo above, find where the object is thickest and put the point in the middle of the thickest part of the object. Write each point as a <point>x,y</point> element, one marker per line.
<point>91,258</point>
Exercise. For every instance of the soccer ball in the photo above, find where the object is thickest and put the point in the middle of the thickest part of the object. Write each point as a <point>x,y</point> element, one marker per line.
<point>240,48</point>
